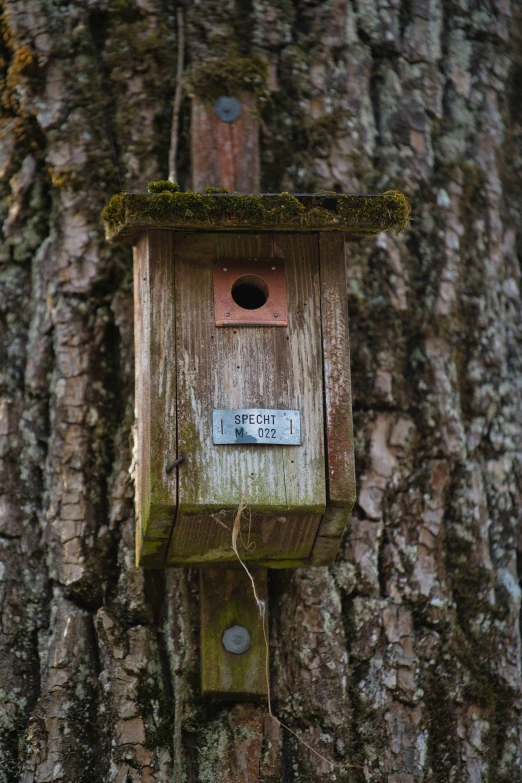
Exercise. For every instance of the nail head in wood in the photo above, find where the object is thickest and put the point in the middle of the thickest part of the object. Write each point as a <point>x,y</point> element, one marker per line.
<point>236,639</point>
<point>175,463</point>
<point>227,109</point>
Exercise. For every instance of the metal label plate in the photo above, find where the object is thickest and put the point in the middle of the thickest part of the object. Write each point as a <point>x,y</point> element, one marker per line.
<point>263,426</point>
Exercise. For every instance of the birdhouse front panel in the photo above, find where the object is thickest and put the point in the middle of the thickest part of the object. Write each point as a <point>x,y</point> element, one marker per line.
<point>247,368</point>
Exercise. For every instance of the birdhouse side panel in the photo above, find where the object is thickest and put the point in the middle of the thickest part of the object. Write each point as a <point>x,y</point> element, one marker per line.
<point>340,466</point>
<point>156,491</point>
<point>142,380</point>
<point>329,536</point>
<point>150,553</point>
<point>337,376</point>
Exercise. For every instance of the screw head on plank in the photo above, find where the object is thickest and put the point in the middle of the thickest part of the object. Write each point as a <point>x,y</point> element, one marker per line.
<point>227,109</point>
<point>236,639</point>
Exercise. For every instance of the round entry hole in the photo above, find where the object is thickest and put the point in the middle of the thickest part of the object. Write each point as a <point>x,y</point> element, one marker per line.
<point>250,292</point>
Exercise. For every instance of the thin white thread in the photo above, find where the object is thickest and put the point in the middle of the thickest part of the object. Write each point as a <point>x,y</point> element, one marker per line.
<point>236,527</point>
<point>236,532</point>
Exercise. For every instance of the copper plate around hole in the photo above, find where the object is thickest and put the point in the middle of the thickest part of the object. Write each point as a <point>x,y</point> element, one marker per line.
<point>274,312</point>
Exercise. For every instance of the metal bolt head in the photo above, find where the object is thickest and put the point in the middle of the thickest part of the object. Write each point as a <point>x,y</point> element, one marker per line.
<point>276,315</point>
<point>227,315</point>
<point>227,109</point>
<point>236,639</point>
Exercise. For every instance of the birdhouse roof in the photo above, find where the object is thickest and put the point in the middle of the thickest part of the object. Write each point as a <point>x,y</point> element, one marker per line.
<point>128,214</point>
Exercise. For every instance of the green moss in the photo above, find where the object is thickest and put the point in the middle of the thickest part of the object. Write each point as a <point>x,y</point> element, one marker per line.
<point>360,215</point>
<point>114,212</point>
<point>215,77</point>
<point>163,186</point>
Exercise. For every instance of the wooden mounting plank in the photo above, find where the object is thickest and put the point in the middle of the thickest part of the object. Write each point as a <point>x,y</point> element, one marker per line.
<point>227,599</point>
<point>225,154</point>
<point>156,491</point>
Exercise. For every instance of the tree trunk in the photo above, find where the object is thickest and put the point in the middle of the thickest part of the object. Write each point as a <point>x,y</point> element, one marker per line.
<point>401,663</point>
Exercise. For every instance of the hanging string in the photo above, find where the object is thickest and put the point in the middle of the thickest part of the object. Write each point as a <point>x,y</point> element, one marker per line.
<point>236,530</point>
<point>261,605</point>
<point>177,97</point>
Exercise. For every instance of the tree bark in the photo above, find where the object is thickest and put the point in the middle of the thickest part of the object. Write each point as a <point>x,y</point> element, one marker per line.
<point>404,658</point>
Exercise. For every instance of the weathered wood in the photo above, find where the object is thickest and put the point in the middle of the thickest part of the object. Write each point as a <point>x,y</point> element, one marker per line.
<point>225,154</point>
<point>304,465</point>
<point>150,553</point>
<point>156,492</point>
<point>336,368</point>
<point>282,487</point>
<point>206,539</point>
<point>220,367</point>
<point>329,535</point>
<point>227,599</point>
<point>216,368</point>
<point>340,465</point>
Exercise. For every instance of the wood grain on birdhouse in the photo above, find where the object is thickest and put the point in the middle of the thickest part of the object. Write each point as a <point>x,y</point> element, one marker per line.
<point>297,497</point>
<point>194,370</point>
<point>251,367</point>
<point>156,491</point>
<point>340,466</point>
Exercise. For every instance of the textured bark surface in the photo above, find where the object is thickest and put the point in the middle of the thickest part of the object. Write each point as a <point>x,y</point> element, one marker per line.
<point>404,658</point>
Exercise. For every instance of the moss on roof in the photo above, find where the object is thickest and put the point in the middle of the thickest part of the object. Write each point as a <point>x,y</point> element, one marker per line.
<point>129,213</point>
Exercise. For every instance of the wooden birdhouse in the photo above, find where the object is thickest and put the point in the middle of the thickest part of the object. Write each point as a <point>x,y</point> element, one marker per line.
<point>243,390</point>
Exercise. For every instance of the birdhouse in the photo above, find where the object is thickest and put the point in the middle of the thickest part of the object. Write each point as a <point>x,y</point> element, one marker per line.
<point>243,396</point>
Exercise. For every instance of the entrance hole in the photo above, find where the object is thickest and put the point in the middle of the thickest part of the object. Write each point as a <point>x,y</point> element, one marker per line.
<point>250,292</point>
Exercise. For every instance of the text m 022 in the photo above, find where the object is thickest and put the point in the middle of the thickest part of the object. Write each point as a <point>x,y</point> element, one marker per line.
<point>261,426</point>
